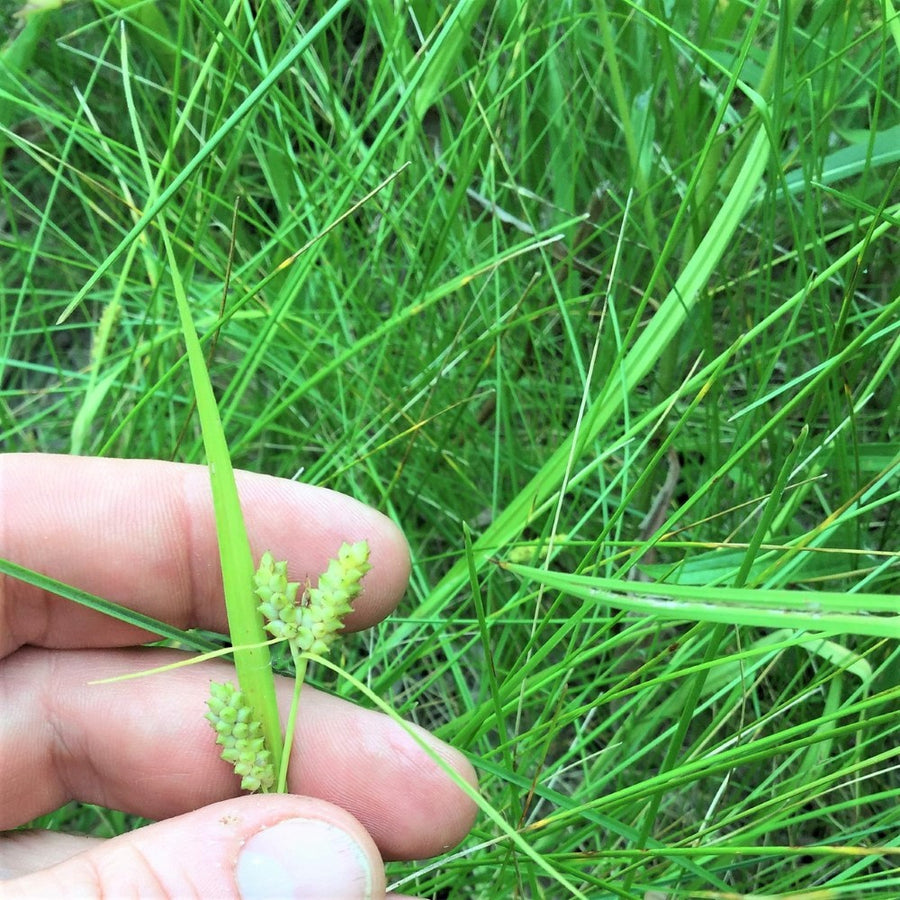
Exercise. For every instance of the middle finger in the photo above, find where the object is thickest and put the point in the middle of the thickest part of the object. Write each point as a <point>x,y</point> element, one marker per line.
<point>144,746</point>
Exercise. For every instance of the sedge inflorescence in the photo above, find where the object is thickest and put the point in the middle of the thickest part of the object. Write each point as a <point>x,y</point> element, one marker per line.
<point>310,622</point>
<point>241,737</point>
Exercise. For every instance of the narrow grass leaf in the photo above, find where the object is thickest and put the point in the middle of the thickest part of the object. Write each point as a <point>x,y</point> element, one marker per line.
<point>108,608</point>
<point>828,613</point>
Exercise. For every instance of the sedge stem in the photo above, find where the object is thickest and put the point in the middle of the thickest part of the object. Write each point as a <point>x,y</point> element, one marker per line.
<point>300,662</point>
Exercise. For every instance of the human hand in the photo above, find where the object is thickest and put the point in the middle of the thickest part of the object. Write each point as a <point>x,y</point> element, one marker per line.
<point>142,534</point>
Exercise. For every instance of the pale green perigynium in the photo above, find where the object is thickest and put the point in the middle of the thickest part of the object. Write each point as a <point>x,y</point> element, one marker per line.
<point>311,623</point>
<point>241,737</point>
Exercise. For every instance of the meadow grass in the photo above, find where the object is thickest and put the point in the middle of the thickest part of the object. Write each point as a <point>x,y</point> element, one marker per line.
<point>600,302</point>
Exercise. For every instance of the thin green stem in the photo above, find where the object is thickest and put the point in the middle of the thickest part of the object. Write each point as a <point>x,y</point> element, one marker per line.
<point>300,664</point>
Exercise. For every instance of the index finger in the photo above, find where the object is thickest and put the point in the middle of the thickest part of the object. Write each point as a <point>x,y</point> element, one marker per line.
<point>141,533</point>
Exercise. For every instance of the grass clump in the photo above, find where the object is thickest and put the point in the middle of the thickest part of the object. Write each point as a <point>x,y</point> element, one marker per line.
<point>614,336</point>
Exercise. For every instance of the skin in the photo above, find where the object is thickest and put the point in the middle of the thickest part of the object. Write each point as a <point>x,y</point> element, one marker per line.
<point>141,533</point>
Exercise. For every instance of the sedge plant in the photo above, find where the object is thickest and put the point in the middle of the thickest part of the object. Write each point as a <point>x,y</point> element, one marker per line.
<point>245,718</point>
<point>309,624</point>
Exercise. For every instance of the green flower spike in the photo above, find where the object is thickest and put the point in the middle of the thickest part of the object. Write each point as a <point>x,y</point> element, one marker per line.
<point>241,737</point>
<point>277,596</point>
<point>311,623</point>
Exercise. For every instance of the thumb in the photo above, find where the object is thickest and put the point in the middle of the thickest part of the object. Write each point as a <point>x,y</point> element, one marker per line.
<point>270,846</point>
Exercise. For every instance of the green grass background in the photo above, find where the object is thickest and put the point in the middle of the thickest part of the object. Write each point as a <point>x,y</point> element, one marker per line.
<point>518,274</point>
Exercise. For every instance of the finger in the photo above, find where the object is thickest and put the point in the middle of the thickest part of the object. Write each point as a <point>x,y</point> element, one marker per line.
<point>143,746</point>
<point>30,850</point>
<point>265,846</point>
<point>142,534</point>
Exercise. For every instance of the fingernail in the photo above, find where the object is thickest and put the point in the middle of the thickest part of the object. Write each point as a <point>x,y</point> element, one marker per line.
<point>303,858</point>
